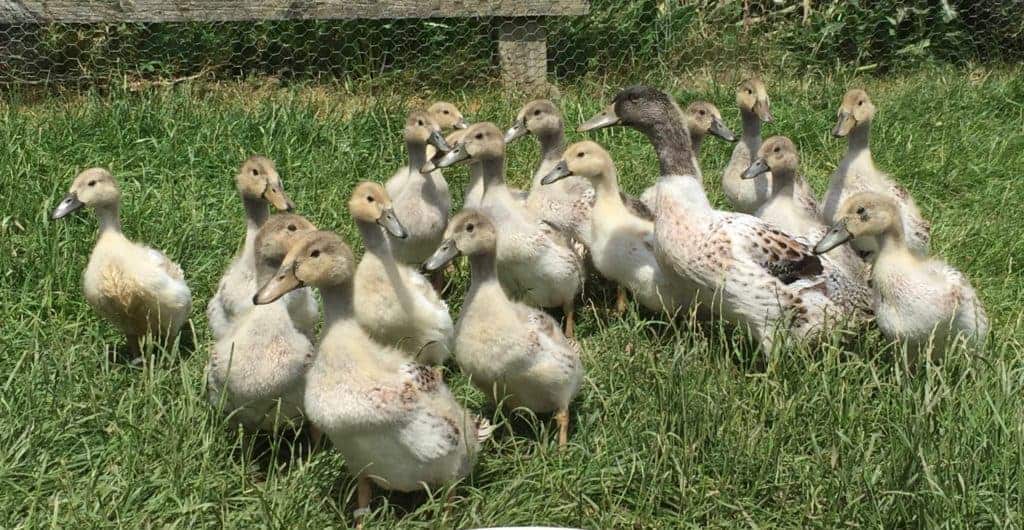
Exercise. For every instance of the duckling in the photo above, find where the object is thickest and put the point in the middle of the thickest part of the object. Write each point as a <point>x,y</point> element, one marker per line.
<point>394,303</point>
<point>135,287</point>
<point>857,172</point>
<point>568,203</point>
<point>394,420</point>
<point>922,301</point>
<point>793,208</point>
<point>258,184</point>
<point>737,265</point>
<point>447,116</point>
<point>256,371</point>
<point>623,243</point>
<point>421,201</point>
<point>747,196</point>
<point>703,118</point>
<point>537,263</point>
<point>514,353</point>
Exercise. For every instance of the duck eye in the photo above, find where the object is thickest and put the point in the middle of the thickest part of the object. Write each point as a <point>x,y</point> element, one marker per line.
<point>701,112</point>
<point>751,92</point>
<point>860,210</point>
<point>369,198</point>
<point>580,155</point>
<point>778,149</point>
<point>860,102</point>
<point>536,112</point>
<point>255,172</point>
<point>292,228</point>
<point>419,122</point>
<point>92,182</point>
<point>315,254</point>
<point>444,111</point>
<point>469,227</point>
<point>479,136</point>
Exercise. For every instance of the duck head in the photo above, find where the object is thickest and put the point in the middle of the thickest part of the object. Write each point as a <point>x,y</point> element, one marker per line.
<point>469,233</point>
<point>371,204</point>
<point>482,141</point>
<point>92,188</point>
<point>855,109</point>
<point>257,179</point>
<point>582,159</point>
<point>317,259</point>
<point>706,119</point>
<point>864,214</point>
<point>539,117</point>
<point>777,154</point>
<point>751,96</point>
<point>447,116</point>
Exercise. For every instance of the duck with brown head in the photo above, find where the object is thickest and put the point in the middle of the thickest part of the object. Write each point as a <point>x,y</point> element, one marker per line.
<point>536,262</point>
<point>857,173</point>
<point>514,353</point>
<point>393,420</point>
<point>136,288</point>
<point>922,302</point>
<point>735,265</point>
<point>747,195</point>
<point>394,303</point>
<point>260,187</point>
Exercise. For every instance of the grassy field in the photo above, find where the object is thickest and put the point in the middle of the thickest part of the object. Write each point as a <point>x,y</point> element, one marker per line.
<point>672,428</point>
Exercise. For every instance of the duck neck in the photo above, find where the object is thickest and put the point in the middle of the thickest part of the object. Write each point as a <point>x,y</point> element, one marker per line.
<point>858,141</point>
<point>256,213</point>
<point>337,303</point>
<point>374,239</point>
<point>552,143</point>
<point>483,268</point>
<point>696,140</point>
<point>110,219</point>
<point>783,182</point>
<point>492,171</point>
<point>751,126</point>
<point>607,187</point>
<point>671,141</point>
<point>417,155</point>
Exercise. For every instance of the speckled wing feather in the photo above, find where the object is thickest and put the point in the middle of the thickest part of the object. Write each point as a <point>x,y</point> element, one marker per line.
<point>781,255</point>
<point>636,207</point>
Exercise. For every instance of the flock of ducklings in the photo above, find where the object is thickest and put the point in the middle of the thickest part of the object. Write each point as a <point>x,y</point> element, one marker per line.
<point>785,266</point>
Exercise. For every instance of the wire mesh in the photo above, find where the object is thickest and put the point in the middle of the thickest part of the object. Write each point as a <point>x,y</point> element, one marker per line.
<point>645,38</point>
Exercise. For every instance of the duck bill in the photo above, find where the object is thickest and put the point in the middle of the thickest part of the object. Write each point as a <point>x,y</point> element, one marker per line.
<point>843,125</point>
<point>67,205</point>
<point>461,124</point>
<point>605,118</point>
<point>559,172</point>
<point>454,156</point>
<point>435,139</point>
<point>837,235</point>
<point>516,131</point>
<point>277,197</point>
<point>389,221</point>
<point>719,129</point>
<point>763,111</point>
<point>758,168</point>
<point>284,282</point>
<point>444,254</point>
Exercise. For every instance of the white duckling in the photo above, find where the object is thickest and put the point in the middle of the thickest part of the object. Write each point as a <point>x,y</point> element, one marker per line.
<point>422,201</point>
<point>622,248</point>
<point>739,266</point>
<point>256,371</point>
<point>747,195</point>
<point>135,287</point>
<point>793,208</point>
<point>536,262</point>
<point>703,118</point>
<point>259,185</point>
<point>394,303</point>
<point>921,302</point>
<point>857,172</point>
<point>566,204</point>
<point>514,353</point>
<point>394,420</point>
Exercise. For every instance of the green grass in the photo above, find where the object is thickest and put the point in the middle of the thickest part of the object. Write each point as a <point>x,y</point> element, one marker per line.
<point>671,428</point>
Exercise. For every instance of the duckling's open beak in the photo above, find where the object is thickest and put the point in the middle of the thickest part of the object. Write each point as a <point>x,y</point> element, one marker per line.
<point>389,221</point>
<point>719,129</point>
<point>837,235</point>
<point>516,131</point>
<point>461,123</point>
<point>841,129</point>
<point>284,282</point>
<point>435,139</point>
<point>605,118</point>
<point>456,155</point>
<point>67,205</point>
<point>275,195</point>
<point>759,167</point>
<point>444,253</point>
<point>559,172</point>
<point>763,112</point>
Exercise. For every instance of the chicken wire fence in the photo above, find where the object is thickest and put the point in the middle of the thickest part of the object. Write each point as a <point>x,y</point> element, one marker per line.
<point>643,38</point>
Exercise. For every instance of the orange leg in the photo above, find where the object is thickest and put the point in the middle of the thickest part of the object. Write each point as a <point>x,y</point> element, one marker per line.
<point>562,419</point>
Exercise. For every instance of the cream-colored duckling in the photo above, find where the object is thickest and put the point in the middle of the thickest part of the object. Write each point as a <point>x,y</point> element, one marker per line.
<point>256,371</point>
<point>857,173</point>
<point>747,196</point>
<point>394,420</point>
<point>514,353</point>
<point>135,287</point>
<point>622,248</point>
<point>793,208</point>
<point>703,118</point>
<point>259,185</point>
<point>921,301</point>
<point>447,116</point>
<point>537,263</point>
<point>422,201</point>
<point>566,204</point>
<point>394,303</point>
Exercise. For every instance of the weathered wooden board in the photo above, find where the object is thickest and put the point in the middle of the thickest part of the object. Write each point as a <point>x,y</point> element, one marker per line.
<point>74,11</point>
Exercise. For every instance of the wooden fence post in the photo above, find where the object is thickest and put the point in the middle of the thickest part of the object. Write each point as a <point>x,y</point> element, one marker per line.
<point>523,53</point>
